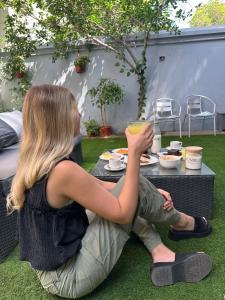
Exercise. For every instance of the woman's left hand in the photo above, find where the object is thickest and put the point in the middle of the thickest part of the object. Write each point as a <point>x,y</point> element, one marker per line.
<point>168,203</point>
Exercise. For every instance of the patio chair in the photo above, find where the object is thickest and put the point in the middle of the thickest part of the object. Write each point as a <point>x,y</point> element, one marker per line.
<point>167,109</point>
<point>200,107</point>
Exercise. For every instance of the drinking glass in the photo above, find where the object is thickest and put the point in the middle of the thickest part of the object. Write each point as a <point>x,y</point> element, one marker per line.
<point>135,127</point>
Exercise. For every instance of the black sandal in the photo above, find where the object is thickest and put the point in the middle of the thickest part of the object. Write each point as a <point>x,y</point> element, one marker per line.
<point>187,267</point>
<point>202,228</point>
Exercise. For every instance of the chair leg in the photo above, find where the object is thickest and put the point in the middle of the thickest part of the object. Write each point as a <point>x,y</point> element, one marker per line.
<point>214,123</point>
<point>189,126</point>
<point>183,122</point>
<point>180,128</point>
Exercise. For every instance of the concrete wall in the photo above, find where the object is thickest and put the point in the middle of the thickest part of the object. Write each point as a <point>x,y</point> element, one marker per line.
<point>194,64</point>
<point>2,19</point>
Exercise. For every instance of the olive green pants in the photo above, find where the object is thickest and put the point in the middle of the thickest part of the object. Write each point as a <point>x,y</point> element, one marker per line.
<point>103,243</point>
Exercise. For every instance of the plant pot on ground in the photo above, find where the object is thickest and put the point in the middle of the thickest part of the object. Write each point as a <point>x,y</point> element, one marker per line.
<point>105,130</point>
<point>92,127</point>
<point>80,63</point>
<point>106,93</point>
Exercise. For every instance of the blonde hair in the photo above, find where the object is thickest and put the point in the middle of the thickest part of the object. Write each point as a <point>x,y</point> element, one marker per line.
<point>50,122</point>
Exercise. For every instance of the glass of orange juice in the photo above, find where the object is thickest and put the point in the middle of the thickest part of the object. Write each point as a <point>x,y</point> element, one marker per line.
<point>135,127</point>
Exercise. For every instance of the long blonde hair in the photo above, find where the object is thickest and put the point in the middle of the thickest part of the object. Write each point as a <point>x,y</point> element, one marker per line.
<point>50,122</point>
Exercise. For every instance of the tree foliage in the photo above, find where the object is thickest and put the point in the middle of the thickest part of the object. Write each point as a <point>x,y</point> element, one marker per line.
<point>68,24</point>
<point>212,13</point>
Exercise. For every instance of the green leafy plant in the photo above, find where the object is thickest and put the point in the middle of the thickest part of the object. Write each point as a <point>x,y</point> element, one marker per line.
<point>92,127</point>
<point>211,13</point>
<point>82,60</point>
<point>112,25</point>
<point>15,70</point>
<point>105,93</point>
<point>14,67</point>
<point>19,91</point>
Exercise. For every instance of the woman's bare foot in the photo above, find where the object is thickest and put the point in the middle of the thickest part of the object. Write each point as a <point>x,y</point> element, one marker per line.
<point>162,254</point>
<point>186,223</point>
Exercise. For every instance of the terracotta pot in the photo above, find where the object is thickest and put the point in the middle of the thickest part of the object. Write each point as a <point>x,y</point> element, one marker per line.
<point>19,74</point>
<point>105,131</point>
<point>80,69</point>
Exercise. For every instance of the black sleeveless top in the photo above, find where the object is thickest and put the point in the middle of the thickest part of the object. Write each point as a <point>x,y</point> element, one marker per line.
<point>48,236</point>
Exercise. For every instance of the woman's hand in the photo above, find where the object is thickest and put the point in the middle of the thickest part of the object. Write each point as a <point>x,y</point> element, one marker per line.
<point>168,204</point>
<point>140,142</point>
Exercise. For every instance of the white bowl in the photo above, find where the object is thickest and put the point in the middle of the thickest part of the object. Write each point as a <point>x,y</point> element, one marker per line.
<point>169,161</point>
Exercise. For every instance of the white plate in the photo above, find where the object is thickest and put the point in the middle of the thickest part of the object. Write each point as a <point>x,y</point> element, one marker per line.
<point>118,149</point>
<point>170,148</point>
<point>107,167</point>
<point>102,157</point>
<point>152,160</point>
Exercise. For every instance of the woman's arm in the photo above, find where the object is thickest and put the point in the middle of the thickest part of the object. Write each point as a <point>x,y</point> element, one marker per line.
<point>70,181</point>
<point>108,185</point>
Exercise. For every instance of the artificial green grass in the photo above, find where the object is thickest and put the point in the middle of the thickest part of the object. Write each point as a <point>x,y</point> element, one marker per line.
<point>130,278</point>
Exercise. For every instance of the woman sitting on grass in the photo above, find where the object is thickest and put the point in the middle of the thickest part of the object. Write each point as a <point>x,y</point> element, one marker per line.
<point>71,254</point>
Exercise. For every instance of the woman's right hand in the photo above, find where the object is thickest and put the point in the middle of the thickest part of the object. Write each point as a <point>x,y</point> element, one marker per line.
<point>139,143</point>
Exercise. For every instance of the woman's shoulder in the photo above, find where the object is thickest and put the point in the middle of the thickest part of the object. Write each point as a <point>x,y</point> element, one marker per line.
<point>64,168</point>
<point>59,177</point>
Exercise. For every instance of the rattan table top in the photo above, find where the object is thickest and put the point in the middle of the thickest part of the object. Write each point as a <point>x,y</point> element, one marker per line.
<point>154,170</point>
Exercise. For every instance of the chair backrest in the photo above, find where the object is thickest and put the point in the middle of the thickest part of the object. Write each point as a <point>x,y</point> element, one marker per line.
<point>197,104</point>
<point>163,107</point>
<point>194,104</point>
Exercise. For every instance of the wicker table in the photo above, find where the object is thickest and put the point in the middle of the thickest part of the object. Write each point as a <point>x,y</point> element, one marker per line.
<point>191,190</point>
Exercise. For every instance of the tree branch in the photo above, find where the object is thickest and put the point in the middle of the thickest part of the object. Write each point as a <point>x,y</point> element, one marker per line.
<point>130,53</point>
<point>145,44</point>
<point>99,42</point>
<point>118,41</point>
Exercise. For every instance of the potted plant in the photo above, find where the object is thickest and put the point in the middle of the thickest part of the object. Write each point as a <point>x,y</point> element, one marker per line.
<point>105,93</point>
<point>81,62</point>
<point>92,127</point>
<point>14,67</point>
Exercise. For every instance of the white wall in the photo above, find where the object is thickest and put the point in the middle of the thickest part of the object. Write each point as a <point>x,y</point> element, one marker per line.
<point>194,64</point>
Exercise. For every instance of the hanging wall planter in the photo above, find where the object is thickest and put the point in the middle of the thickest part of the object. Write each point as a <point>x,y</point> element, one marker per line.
<point>80,69</point>
<point>19,74</point>
<point>81,63</point>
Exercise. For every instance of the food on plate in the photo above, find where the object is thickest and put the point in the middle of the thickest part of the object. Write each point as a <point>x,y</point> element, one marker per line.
<point>144,159</point>
<point>107,155</point>
<point>123,151</point>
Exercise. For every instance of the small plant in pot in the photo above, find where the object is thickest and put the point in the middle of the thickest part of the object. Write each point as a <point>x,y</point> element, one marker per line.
<point>81,62</point>
<point>107,92</point>
<point>92,127</point>
<point>15,67</point>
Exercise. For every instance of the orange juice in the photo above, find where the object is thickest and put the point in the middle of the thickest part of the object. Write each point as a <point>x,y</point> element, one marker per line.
<point>136,126</point>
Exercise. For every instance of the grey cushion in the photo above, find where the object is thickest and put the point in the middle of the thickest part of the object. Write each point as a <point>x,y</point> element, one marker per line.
<point>10,128</point>
<point>8,135</point>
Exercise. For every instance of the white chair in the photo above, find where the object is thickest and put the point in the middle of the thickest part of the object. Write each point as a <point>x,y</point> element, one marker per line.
<point>200,107</point>
<point>167,109</point>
